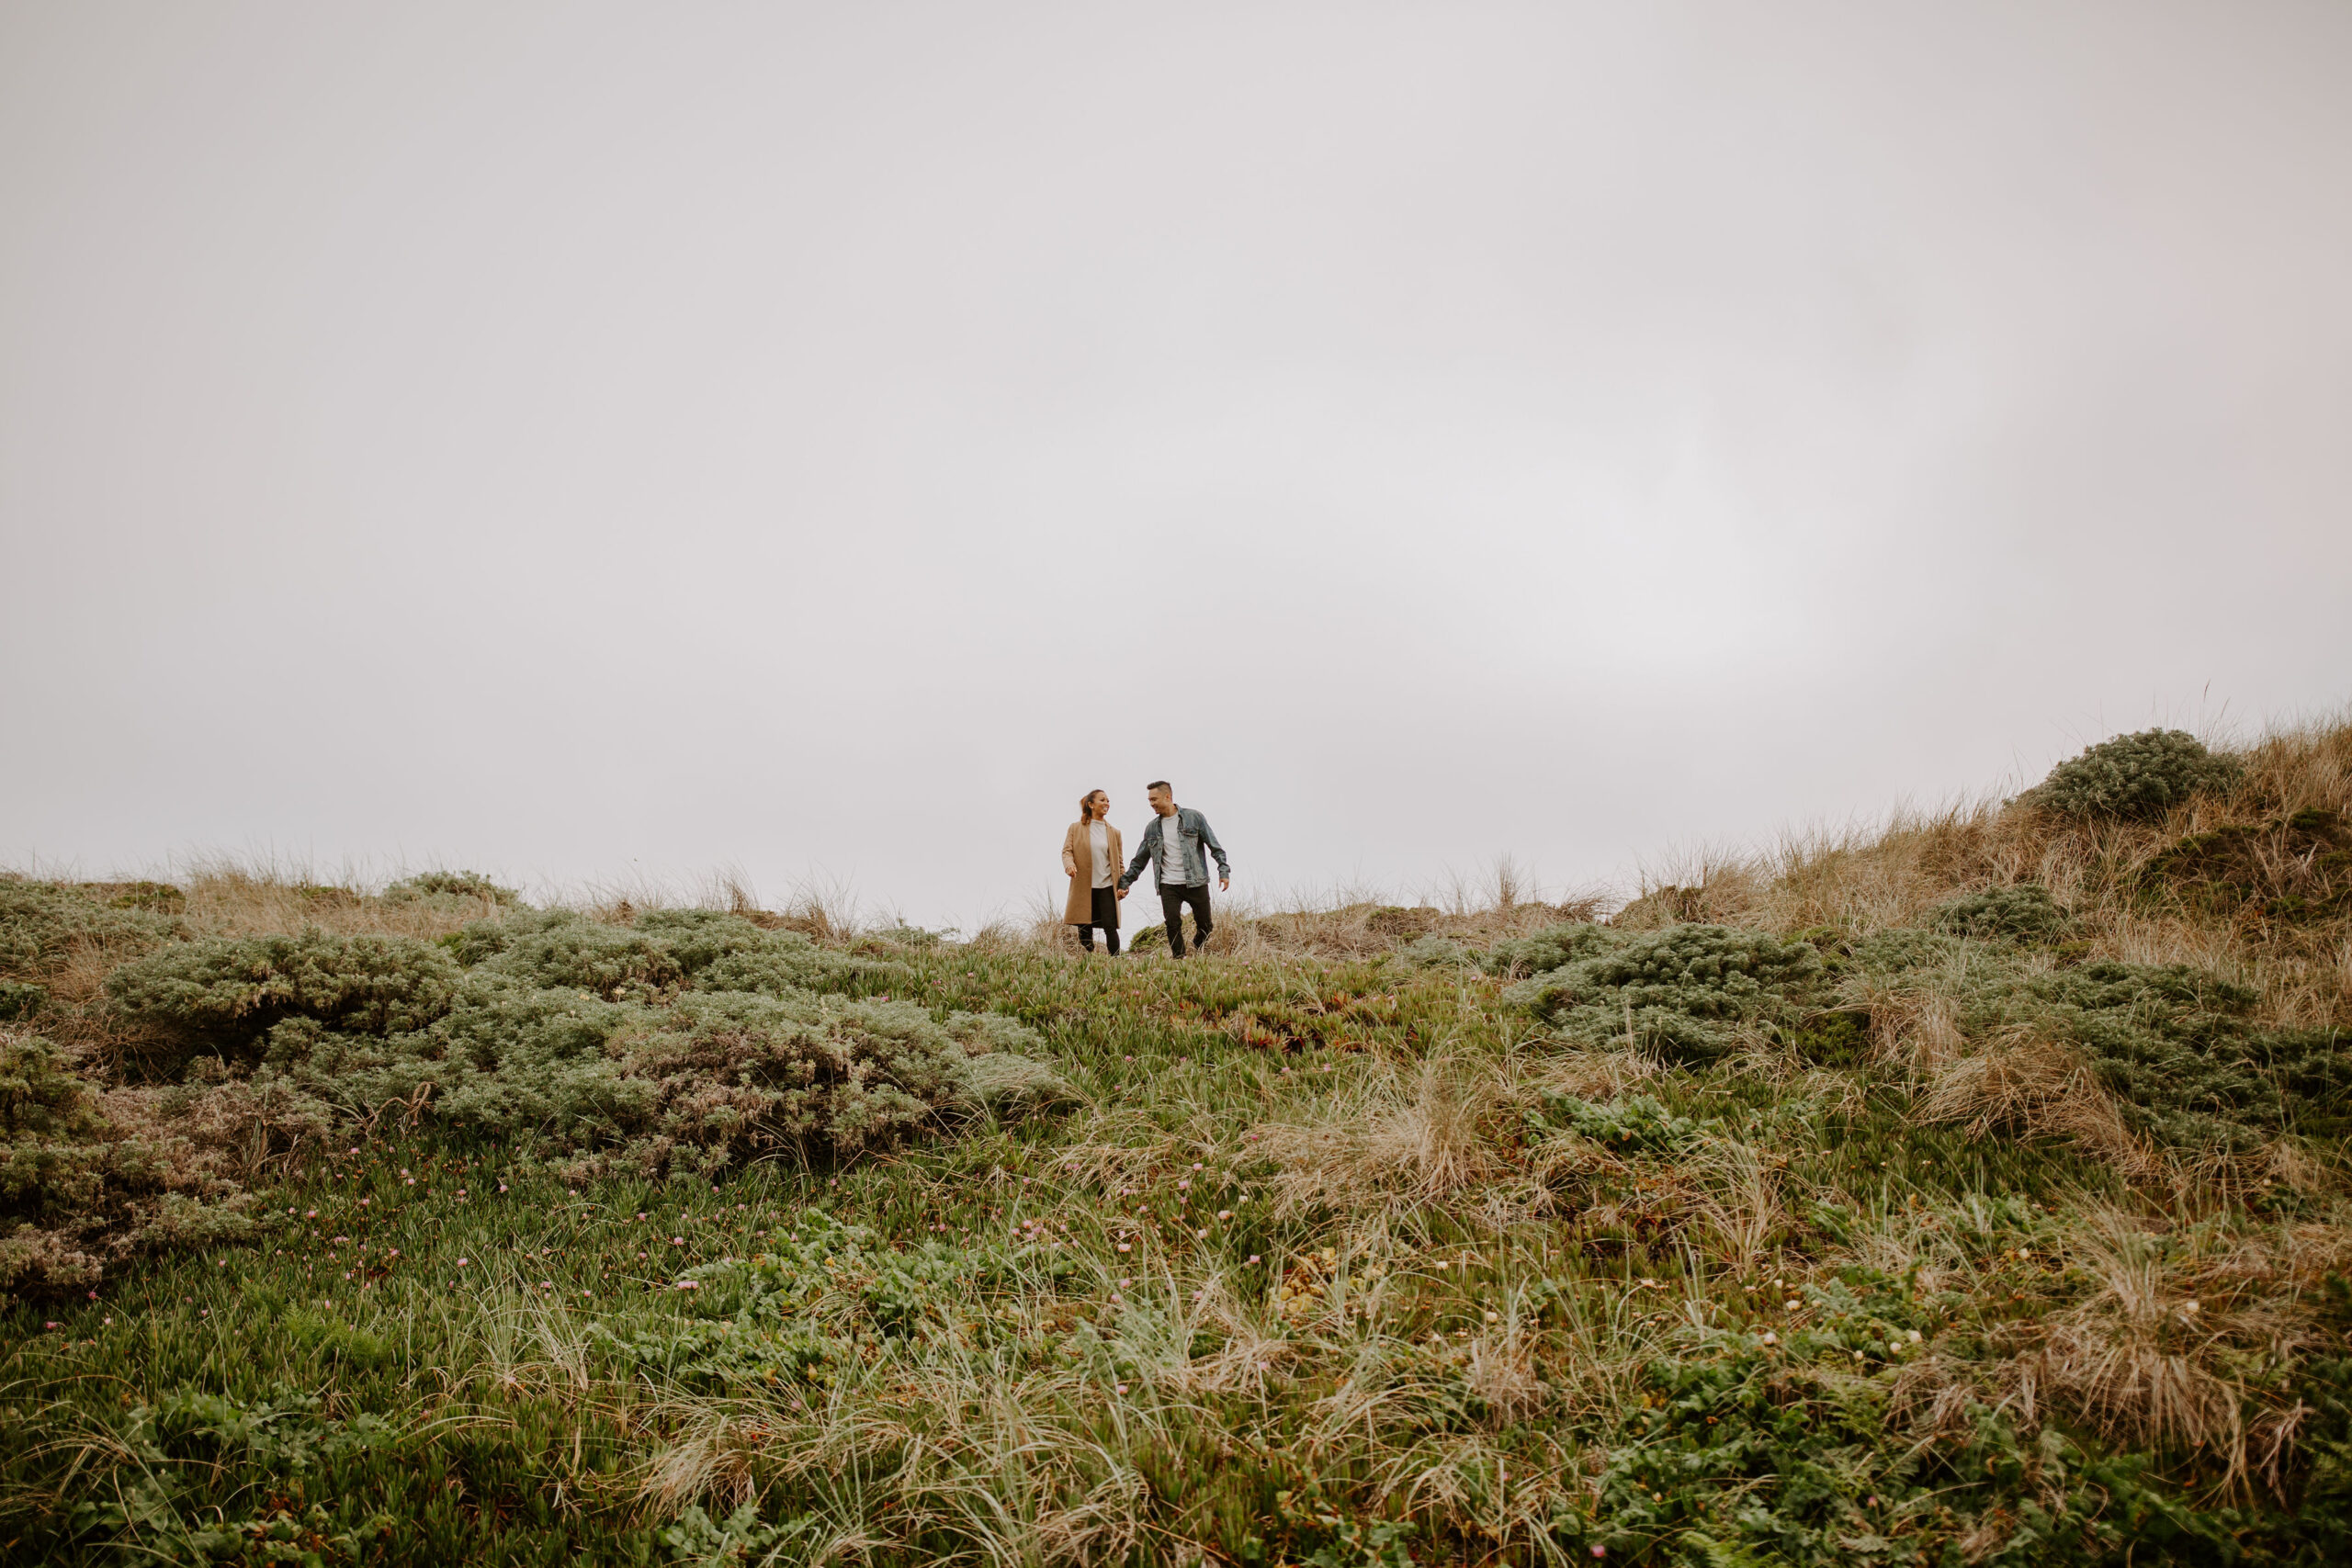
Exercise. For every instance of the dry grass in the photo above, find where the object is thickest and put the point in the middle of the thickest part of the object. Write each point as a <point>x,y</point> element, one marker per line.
<point>1738,1213</point>
<point>2157,1354</point>
<point>2032,1088</point>
<point>1399,1140</point>
<point>228,899</point>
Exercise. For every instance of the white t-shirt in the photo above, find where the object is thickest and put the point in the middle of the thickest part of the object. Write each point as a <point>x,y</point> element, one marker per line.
<point>1172,849</point>
<point>1098,838</point>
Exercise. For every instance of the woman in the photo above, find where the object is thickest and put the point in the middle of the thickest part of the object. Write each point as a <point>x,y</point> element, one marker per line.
<point>1090,856</point>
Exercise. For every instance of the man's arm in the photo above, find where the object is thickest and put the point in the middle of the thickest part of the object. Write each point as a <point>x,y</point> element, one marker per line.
<point>1143,854</point>
<point>1209,837</point>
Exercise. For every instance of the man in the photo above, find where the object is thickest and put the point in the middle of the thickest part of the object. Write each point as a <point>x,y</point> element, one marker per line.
<point>1173,843</point>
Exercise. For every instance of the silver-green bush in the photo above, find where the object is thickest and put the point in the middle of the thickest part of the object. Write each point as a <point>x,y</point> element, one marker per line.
<point>471,885</point>
<point>227,992</point>
<point>2024,911</point>
<point>2139,775</point>
<point>1684,993</point>
<point>40,922</point>
<point>1551,948</point>
<point>563,950</point>
<point>87,1178</point>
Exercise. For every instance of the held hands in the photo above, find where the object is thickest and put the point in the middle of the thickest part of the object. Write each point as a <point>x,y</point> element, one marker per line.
<point>1123,892</point>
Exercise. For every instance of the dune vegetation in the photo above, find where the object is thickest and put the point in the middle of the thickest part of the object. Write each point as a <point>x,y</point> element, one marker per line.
<point>1966,1189</point>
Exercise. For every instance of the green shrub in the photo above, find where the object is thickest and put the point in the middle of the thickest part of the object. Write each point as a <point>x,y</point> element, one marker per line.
<point>2176,1046</point>
<point>700,938</point>
<point>39,1095</point>
<point>2297,869</point>
<point>155,897</point>
<point>904,935</point>
<point>1552,948</point>
<point>1434,951</point>
<point>1397,920</point>
<point>42,922</point>
<point>21,998</point>
<point>2141,775</point>
<point>84,1180</point>
<point>743,957</point>
<point>1684,992</point>
<point>1635,1124</point>
<point>731,1071</point>
<point>1896,949</point>
<point>508,1056</point>
<point>2024,911</point>
<point>49,1167</point>
<point>230,991</point>
<point>468,885</point>
<point>663,952</point>
<point>563,950</point>
<point>1792,1447</point>
<point>1837,1037</point>
<point>713,1079</point>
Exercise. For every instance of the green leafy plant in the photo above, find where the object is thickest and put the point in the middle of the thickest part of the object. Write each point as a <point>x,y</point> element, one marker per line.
<point>699,1539</point>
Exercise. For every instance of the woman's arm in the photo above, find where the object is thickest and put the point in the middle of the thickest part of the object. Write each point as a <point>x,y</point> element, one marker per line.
<point>1070,853</point>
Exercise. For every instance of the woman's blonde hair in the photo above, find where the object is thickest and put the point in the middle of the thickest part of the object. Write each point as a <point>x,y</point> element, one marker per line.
<point>1086,804</point>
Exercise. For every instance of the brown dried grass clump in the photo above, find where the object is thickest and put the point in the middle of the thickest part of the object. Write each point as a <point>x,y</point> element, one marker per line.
<point>224,897</point>
<point>1404,1139</point>
<point>2026,1086</point>
<point>2155,1356</point>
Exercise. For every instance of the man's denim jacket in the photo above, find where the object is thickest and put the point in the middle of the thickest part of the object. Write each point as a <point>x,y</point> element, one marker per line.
<point>1192,830</point>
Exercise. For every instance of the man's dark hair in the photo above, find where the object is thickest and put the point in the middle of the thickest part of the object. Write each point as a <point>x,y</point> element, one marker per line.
<point>1160,783</point>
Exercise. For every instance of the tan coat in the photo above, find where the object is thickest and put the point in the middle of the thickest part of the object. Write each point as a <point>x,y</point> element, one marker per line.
<point>1078,857</point>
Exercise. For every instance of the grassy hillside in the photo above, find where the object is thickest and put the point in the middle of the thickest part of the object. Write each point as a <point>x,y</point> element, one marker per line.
<point>1967,1191</point>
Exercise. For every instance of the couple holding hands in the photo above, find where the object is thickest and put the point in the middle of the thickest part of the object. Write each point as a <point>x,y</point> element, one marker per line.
<point>1171,845</point>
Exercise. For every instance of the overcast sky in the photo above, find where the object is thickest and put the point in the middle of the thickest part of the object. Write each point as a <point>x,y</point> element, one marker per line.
<point>584,441</point>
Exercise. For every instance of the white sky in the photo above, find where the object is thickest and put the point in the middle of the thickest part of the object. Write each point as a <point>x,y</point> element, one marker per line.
<point>592,441</point>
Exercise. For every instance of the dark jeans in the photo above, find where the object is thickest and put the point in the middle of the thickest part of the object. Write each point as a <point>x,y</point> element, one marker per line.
<point>1172,900</point>
<point>1107,915</point>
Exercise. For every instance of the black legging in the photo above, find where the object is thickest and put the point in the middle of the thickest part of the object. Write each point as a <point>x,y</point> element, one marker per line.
<point>1107,915</point>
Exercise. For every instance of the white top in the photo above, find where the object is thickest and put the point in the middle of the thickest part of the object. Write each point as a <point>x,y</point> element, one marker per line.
<point>1098,837</point>
<point>1172,851</point>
